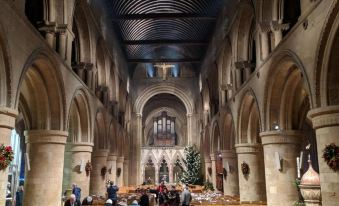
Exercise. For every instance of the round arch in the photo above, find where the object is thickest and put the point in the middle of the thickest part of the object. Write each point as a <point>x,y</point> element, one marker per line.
<point>40,96</point>
<point>79,113</point>
<point>5,68</point>
<point>249,119</point>
<point>167,88</point>
<point>288,109</point>
<point>326,72</point>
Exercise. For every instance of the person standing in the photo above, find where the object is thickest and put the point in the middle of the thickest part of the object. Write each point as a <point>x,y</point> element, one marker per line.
<point>76,191</point>
<point>173,197</point>
<point>186,197</point>
<point>112,192</point>
<point>19,196</point>
<point>144,200</point>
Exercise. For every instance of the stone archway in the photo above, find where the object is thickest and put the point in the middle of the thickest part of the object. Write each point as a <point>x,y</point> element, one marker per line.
<point>249,150</point>
<point>285,120</point>
<point>79,143</point>
<point>40,99</point>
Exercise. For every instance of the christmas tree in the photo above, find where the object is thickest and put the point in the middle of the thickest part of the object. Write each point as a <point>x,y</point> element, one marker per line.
<point>192,174</point>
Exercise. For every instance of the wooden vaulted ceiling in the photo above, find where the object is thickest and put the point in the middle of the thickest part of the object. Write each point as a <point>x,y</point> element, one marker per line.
<point>166,31</point>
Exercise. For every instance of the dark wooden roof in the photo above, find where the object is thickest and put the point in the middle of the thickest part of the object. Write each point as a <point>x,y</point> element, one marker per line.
<point>176,31</point>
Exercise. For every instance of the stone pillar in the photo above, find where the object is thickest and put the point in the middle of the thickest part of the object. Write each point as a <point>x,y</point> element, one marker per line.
<point>98,184</point>
<point>248,72</point>
<point>214,171</point>
<point>189,129</point>
<point>231,182</point>
<point>126,172</point>
<point>143,178</point>
<point>238,78</point>
<point>265,27</point>
<point>43,182</point>
<point>251,187</point>
<point>62,44</point>
<point>285,146</point>
<point>170,172</point>
<point>208,164</point>
<point>50,38</point>
<point>112,167</point>
<point>326,124</point>
<point>156,174</point>
<point>120,164</point>
<point>137,150</point>
<point>7,123</point>
<point>81,154</point>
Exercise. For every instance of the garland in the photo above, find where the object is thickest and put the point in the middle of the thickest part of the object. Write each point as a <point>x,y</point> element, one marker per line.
<point>118,172</point>
<point>331,156</point>
<point>103,171</point>
<point>6,156</point>
<point>88,168</point>
<point>245,169</point>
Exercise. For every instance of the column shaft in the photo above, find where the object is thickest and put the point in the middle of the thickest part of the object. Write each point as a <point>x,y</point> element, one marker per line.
<point>326,124</point>
<point>74,169</point>
<point>281,145</point>
<point>7,123</point>
<point>120,166</point>
<point>126,172</point>
<point>112,167</point>
<point>251,187</point>
<point>170,173</point>
<point>231,182</point>
<point>214,171</point>
<point>43,182</point>
<point>99,160</point>
<point>208,164</point>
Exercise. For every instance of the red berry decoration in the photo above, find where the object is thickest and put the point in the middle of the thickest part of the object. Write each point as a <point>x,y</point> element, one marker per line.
<point>6,156</point>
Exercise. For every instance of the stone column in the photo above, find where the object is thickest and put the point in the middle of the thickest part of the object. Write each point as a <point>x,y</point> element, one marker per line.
<point>7,123</point>
<point>231,182</point>
<point>62,44</point>
<point>120,164</point>
<point>81,154</point>
<point>143,178</point>
<point>126,171</point>
<point>112,167</point>
<point>189,129</point>
<point>50,38</point>
<point>248,72</point>
<point>326,124</point>
<point>43,182</point>
<point>251,187</point>
<point>208,164</point>
<point>214,171</point>
<point>238,78</point>
<point>282,145</point>
<point>170,172</point>
<point>98,184</point>
<point>156,173</point>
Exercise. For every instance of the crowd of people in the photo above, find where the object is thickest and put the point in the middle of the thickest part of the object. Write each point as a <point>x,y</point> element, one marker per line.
<point>163,196</point>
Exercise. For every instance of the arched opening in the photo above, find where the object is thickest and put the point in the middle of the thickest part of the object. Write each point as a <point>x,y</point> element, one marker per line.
<point>291,13</point>
<point>288,110</point>
<point>35,12</point>
<point>5,86</point>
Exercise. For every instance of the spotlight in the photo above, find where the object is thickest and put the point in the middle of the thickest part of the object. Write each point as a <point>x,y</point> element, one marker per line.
<point>275,126</point>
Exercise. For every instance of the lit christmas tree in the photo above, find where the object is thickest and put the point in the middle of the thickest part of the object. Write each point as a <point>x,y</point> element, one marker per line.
<point>192,160</point>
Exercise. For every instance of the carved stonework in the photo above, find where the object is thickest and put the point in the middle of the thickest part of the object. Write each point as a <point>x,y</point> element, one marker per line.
<point>310,187</point>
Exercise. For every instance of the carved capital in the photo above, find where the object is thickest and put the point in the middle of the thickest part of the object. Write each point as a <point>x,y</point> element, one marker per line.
<point>281,137</point>
<point>324,116</point>
<point>277,26</point>
<point>265,26</point>
<point>244,65</point>
<point>248,148</point>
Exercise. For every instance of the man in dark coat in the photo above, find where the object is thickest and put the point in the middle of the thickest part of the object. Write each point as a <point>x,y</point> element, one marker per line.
<point>112,192</point>
<point>144,200</point>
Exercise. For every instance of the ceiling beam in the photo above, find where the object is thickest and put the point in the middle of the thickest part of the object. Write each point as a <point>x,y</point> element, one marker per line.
<point>163,16</point>
<point>184,60</point>
<point>165,42</point>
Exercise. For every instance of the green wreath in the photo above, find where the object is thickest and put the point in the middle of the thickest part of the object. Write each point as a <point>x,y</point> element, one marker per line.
<point>331,156</point>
